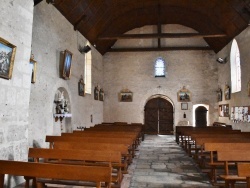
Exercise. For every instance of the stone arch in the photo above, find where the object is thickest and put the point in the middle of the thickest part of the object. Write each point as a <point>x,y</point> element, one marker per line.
<point>205,106</point>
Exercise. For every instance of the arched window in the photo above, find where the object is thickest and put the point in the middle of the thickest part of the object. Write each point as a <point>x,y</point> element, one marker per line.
<point>235,68</point>
<point>87,75</point>
<point>160,67</point>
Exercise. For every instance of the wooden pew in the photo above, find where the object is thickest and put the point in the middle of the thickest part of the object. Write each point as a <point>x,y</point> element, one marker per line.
<point>232,156</point>
<point>94,174</point>
<point>126,157</point>
<point>244,171</point>
<point>126,141</point>
<point>211,160</point>
<point>80,157</point>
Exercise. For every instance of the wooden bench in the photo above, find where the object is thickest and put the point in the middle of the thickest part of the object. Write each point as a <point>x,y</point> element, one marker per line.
<point>126,157</point>
<point>244,171</point>
<point>126,141</point>
<point>232,156</point>
<point>211,160</point>
<point>80,157</point>
<point>69,173</point>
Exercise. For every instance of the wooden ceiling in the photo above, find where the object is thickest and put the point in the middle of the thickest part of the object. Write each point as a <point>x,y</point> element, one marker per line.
<point>103,22</point>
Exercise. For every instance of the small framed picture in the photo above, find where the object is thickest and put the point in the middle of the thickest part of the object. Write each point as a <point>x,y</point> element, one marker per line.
<point>67,64</point>
<point>7,56</point>
<point>126,97</point>
<point>184,106</point>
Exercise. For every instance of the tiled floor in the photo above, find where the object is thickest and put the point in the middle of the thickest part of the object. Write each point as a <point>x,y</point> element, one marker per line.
<point>161,163</point>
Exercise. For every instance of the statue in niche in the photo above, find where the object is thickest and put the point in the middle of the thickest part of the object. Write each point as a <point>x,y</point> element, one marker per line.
<point>62,104</point>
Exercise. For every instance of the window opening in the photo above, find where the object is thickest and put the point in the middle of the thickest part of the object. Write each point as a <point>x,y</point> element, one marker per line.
<point>235,68</point>
<point>160,67</point>
<point>87,75</point>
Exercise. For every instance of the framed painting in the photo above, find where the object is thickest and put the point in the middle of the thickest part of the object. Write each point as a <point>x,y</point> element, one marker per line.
<point>7,56</point>
<point>33,68</point>
<point>126,97</point>
<point>67,59</point>
<point>184,95</point>
<point>81,87</point>
<point>184,106</point>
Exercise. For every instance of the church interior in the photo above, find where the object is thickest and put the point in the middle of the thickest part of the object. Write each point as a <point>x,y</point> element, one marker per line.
<point>147,67</point>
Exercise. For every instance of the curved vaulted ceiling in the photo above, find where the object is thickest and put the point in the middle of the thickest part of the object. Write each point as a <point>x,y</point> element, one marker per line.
<point>103,22</point>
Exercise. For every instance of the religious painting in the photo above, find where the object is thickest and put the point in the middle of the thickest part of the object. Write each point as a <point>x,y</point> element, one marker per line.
<point>81,87</point>
<point>184,95</point>
<point>67,64</point>
<point>101,95</point>
<point>227,93</point>
<point>96,93</point>
<point>7,56</point>
<point>126,97</point>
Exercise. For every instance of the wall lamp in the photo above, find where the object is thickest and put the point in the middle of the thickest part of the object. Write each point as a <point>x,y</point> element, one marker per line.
<point>221,60</point>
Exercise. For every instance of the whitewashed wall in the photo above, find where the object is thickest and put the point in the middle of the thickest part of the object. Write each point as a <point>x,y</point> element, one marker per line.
<point>240,98</point>
<point>52,34</point>
<point>197,70</point>
<point>16,27</point>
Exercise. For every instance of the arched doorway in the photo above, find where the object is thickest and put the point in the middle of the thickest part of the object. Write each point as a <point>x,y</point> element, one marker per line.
<point>201,116</point>
<point>158,115</point>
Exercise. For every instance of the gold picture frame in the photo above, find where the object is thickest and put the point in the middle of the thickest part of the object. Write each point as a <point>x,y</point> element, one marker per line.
<point>184,95</point>
<point>67,61</point>
<point>7,56</point>
<point>126,97</point>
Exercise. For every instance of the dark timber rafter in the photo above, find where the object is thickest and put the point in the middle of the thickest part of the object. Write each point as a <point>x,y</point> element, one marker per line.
<point>159,49</point>
<point>162,35</point>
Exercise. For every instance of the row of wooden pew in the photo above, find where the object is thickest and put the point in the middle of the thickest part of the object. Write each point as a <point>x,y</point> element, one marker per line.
<point>96,157</point>
<point>220,151</point>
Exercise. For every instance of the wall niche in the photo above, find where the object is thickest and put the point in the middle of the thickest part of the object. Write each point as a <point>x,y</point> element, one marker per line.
<point>62,111</point>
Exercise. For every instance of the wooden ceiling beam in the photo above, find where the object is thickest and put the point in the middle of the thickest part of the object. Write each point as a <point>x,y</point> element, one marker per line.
<point>161,35</point>
<point>160,49</point>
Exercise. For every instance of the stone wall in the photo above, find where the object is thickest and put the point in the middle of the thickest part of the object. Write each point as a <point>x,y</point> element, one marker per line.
<point>239,98</point>
<point>196,70</point>
<point>52,34</point>
<point>16,27</point>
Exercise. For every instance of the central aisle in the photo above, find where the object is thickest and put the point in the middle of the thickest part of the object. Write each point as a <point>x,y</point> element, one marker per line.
<point>161,163</point>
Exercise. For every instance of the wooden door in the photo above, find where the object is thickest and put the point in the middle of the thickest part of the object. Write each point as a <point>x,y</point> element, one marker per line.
<point>158,117</point>
<point>201,116</point>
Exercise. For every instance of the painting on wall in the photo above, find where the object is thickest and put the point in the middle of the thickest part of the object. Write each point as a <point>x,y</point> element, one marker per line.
<point>33,69</point>
<point>67,64</point>
<point>81,87</point>
<point>7,56</point>
<point>227,92</point>
<point>126,97</point>
<point>184,95</point>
